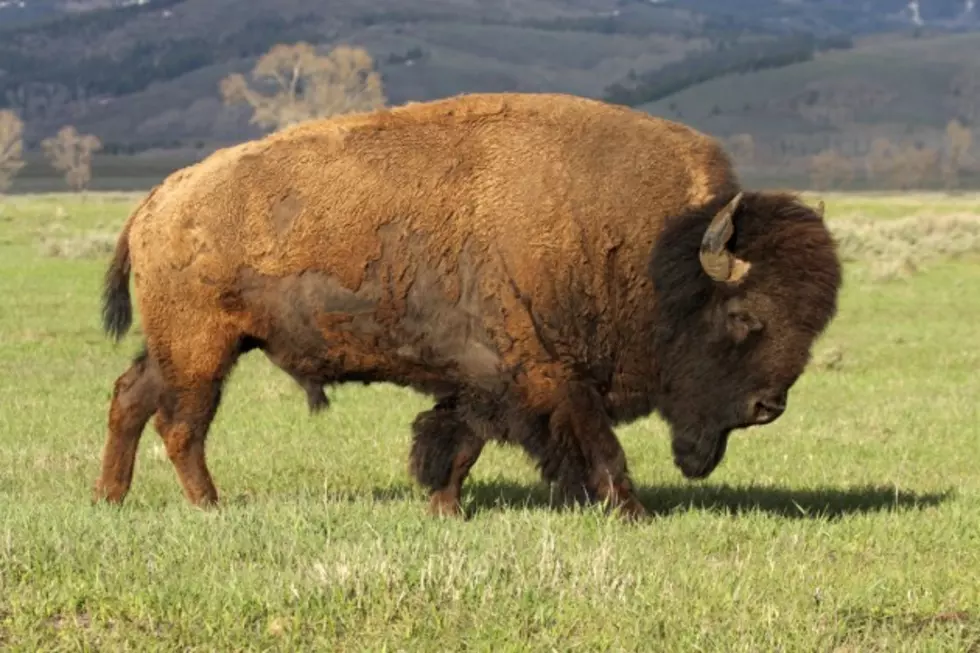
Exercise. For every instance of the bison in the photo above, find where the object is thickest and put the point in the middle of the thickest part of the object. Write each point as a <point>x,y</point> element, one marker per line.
<point>545,267</point>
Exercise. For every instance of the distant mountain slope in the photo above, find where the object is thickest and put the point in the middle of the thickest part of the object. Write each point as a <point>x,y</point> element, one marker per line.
<point>828,16</point>
<point>903,89</point>
<point>146,73</point>
<point>817,16</point>
<point>16,13</point>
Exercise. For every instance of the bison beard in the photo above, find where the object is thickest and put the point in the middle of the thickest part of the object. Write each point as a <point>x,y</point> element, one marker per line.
<point>697,457</point>
<point>540,307</point>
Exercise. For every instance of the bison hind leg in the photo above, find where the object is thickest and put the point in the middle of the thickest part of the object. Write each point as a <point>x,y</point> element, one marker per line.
<point>135,398</point>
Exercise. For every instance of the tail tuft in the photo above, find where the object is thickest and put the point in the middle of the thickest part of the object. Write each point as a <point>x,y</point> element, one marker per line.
<point>117,307</point>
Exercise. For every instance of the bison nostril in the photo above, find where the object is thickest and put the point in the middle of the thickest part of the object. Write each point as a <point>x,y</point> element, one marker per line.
<point>768,409</point>
<point>775,405</point>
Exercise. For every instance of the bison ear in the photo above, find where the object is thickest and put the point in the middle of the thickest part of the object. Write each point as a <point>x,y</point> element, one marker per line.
<point>740,322</point>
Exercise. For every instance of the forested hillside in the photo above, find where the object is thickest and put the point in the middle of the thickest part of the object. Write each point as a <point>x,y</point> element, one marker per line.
<point>145,74</point>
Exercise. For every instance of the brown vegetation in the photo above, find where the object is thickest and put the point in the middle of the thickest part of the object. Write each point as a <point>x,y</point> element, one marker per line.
<point>305,85</point>
<point>56,243</point>
<point>910,165</point>
<point>902,166</point>
<point>957,152</point>
<point>878,160</point>
<point>830,169</point>
<point>71,153</point>
<point>896,248</point>
<point>11,147</point>
<point>964,95</point>
<point>742,148</point>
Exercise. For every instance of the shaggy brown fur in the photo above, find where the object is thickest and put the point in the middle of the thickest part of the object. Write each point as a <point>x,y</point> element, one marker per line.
<point>532,261</point>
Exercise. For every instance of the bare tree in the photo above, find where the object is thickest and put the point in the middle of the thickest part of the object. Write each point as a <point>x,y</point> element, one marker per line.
<point>956,155</point>
<point>829,169</point>
<point>71,153</point>
<point>964,95</point>
<point>743,148</point>
<point>879,159</point>
<point>912,164</point>
<point>305,85</point>
<point>11,147</point>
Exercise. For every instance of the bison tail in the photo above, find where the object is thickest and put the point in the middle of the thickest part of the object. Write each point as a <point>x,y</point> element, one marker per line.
<point>117,307</point>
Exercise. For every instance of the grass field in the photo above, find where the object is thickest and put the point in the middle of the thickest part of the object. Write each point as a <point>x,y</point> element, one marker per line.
<point>851,524</point>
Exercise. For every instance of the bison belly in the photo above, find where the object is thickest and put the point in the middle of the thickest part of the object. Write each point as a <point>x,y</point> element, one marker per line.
<point>425,331</point>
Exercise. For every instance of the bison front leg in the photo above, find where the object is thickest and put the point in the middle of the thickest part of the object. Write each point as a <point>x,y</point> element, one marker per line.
<point>444,450</point>
<point>582,454</point>
<point>135,398</point>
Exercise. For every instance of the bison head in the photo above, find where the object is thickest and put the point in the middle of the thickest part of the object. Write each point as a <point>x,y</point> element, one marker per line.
<point>744,288</point>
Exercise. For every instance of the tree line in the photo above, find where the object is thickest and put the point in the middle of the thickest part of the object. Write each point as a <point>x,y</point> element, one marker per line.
<point>68,151</point>
<point>726,57</point>
<point>898,165</point>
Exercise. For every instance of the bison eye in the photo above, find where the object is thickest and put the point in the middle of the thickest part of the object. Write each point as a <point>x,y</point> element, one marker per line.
<point>741,323</point>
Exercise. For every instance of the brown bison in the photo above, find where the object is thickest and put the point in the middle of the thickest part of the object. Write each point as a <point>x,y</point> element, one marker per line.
<point>544,266</point>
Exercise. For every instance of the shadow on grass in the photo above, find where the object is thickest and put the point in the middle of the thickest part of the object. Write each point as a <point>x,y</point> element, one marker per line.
<point>860,625</point>
<point>826,503</point>
<point>811,503</point>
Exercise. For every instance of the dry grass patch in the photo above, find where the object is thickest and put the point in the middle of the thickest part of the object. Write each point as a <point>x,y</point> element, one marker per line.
<point>898,248</point>
<point>56,241</point>
<point>88,245</point>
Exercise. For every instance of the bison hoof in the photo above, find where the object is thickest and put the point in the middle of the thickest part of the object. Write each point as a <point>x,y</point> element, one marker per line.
<point>623,502</point>
<point>632,510</point>
<point>205,503</point>
<point>444,504</point>
<point>108,495</point>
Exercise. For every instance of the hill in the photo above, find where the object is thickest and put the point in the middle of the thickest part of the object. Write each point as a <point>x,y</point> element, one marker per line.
<point>902,89</point>
<point>833,16</point>
<point>147,75</point>
<point>817,16</point>
<point>143,75</point>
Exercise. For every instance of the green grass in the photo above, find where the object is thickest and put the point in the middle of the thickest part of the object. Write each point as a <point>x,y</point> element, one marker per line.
<point>850,524</point>
<point>892,205</point>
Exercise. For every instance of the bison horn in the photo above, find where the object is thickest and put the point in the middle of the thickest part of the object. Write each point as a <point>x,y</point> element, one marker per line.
<point>716,259</point>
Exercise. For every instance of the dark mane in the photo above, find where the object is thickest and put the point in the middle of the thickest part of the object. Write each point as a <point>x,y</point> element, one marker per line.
<point>681,286</point>
<point>792,254</point>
